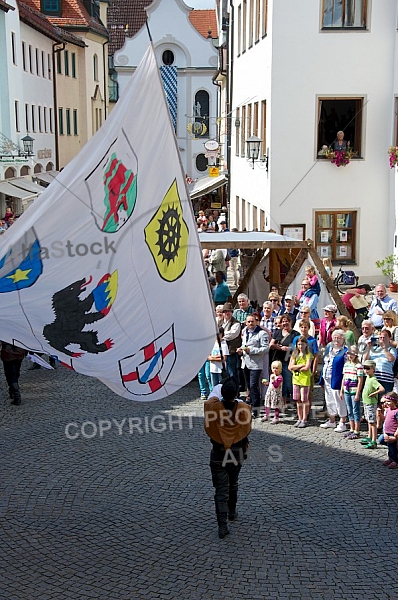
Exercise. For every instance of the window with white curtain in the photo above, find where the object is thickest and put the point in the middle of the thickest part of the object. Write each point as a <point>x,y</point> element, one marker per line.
<point>344,14</point>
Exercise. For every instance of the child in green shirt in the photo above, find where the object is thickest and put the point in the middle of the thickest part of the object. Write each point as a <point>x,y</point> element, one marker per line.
<point>371,390</point>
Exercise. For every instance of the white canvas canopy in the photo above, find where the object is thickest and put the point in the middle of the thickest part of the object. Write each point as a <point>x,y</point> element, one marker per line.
<point>254,283</point>
<point>205,185</point>
<point>248,239</point>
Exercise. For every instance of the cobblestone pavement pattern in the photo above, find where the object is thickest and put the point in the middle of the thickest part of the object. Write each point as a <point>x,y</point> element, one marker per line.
<point>130,515</point>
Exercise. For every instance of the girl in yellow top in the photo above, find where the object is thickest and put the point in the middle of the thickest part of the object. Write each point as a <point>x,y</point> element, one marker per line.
<point>300,366</point>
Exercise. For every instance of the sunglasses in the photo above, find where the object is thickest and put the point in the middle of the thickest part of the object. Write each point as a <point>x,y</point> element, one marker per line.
<point>367,368</point>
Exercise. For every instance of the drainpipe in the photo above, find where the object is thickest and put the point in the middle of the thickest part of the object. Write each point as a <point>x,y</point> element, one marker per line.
<point>217,84</point>
<point>105,67</point>
<point>230,81</point>
<point>56,49</point>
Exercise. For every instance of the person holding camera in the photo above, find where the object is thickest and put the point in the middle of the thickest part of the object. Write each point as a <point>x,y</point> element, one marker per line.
<point>367,337</point>
<point>383,354</point>
<point>390,320</point>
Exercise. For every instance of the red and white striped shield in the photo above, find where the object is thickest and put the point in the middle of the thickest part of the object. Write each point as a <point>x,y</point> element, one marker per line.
<point>146,371</point>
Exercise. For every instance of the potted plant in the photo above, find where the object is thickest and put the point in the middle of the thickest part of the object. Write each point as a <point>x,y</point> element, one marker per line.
<point>388,267</point>
<point>393,156</point>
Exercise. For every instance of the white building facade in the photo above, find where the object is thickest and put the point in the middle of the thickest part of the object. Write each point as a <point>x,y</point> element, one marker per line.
<point>36,112</point>
<point>184,54</point>
<point>26,105</point>
<point>300,73</point>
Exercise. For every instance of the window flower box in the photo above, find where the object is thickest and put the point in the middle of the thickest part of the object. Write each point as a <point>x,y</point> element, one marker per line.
<point>340,158</point>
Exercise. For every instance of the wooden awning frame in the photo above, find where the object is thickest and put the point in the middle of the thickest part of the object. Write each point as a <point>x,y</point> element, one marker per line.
<point>307,249</point>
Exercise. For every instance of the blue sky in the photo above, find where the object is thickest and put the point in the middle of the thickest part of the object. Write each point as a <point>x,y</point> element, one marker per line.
<point>200,3</point>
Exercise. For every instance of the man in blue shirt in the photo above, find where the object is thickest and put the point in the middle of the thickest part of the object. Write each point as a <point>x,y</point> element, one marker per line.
<point>380,305</point>
<point>221,293</point>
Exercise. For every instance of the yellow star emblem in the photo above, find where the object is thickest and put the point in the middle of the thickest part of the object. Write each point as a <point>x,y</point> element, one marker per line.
<point>167,236</point>
<point>19,275</point>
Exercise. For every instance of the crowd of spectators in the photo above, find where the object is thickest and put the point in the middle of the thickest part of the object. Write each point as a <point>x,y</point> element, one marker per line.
<point>275,354</point>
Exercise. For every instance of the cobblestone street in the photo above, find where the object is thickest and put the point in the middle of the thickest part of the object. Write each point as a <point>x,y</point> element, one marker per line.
<point>125,509</point>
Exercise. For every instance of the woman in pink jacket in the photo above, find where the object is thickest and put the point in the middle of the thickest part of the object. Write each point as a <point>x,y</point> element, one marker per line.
<point>328,325</point>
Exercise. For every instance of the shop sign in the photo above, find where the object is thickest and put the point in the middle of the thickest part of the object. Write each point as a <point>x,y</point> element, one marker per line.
<point>46,153</point>
<point>214,171</point>
<point>12,160</point>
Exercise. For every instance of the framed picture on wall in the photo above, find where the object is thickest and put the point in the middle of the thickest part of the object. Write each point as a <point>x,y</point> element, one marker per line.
<point>294,231</point>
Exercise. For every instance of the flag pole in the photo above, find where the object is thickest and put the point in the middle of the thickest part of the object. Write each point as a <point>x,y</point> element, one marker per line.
<point>148,30</point>
<point>182,171</point>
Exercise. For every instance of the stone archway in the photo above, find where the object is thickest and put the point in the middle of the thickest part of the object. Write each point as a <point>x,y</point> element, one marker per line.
<point>38,168</point>
<point>25,170</point>
<point>10,172</point>
<point>50,166</point>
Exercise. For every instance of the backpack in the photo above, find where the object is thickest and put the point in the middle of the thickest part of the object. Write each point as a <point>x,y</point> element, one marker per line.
<point>10,352</point>
<point>349,278</point>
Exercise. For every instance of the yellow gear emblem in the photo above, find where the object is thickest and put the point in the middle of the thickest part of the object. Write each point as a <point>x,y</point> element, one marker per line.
<point>167,236</point>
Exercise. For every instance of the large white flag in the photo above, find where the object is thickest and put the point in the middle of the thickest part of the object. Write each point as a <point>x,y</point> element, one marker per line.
<point>105,271</point>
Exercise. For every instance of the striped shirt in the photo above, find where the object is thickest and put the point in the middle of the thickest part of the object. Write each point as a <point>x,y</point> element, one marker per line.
<point>351,374</point>
<point>384,367</point>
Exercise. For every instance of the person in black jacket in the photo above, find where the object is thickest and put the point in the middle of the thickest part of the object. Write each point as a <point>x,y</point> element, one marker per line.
<point>12,357</point>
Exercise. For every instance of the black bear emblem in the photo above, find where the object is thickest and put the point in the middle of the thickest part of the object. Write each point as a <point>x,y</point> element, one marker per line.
<point>71,316</point>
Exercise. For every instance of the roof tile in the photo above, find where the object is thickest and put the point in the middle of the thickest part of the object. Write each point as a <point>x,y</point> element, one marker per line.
<point>74,15</point>
<point>205,21</point>
<point>38,21</point>
<point>125,19</point>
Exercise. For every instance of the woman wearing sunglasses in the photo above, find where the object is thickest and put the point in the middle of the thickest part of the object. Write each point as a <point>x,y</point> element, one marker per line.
<point>304,315</point>
<point>390,322</point>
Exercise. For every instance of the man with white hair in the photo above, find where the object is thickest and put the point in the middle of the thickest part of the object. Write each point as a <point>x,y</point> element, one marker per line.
<point>267,320</point>
<point>240,314</point>
<point>380,305</point>
<point>232,335</point>
<point>245,308</point>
